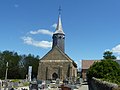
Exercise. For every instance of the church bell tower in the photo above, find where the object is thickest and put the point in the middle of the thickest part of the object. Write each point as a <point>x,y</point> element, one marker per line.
<point>56,63</point>
<point>59,35</point>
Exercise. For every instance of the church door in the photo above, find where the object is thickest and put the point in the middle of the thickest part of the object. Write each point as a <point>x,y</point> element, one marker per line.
<point>54,76</point>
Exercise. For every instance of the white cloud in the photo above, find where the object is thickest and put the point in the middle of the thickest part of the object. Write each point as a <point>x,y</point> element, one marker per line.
<point>107,50</point>
<point>43,44</point>
<point>42,31</point>
<point>54,25</point>
<point>31,41</point>
<point>118,57</point>
<point>116,49</point>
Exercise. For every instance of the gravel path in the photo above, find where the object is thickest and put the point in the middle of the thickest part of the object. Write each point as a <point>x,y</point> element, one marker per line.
<point>84,87</point>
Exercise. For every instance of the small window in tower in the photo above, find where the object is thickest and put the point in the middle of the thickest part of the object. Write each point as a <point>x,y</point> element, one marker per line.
<point>60,37</point>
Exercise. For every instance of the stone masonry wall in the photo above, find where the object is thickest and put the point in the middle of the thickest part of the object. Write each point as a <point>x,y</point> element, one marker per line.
<point>46,70</point>
<point>97,84</point>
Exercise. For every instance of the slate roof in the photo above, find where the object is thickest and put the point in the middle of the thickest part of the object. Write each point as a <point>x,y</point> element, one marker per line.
<point>87,63</point>
<point>59,26</point>
<point>57,54</point>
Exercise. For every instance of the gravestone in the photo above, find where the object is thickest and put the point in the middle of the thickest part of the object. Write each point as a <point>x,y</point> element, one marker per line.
<point>0,84</point>
<point>57,81</point>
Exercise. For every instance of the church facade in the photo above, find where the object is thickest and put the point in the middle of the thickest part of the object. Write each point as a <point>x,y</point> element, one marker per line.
<point>56,63</point>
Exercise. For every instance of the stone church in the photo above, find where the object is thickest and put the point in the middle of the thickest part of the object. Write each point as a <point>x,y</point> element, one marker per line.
<point>56,63</point>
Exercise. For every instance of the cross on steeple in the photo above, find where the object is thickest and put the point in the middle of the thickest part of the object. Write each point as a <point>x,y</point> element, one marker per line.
<point>59,24</point>
<point>59,10</point>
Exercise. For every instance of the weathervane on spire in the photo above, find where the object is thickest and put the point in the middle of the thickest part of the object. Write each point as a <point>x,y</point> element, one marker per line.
<point>59,10</point>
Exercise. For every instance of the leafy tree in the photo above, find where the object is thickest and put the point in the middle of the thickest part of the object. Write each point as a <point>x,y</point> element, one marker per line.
<point>2,66</point>
<point>105,69</point>
<point>30,60</point>
<point>108,55</point>
<point>12,58</point>
<point>18,64</point>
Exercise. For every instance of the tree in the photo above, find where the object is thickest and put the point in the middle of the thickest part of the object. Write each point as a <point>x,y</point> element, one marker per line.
<point>2,66</point>
<point>17,64</point>
<point>108,70</point>
<point>30,60</point>
<point>108,55</point>
<point>13,59</point>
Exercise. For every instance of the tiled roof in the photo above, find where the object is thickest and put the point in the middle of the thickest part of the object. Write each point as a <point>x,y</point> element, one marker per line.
<point>118,61</point>
<point>87,63</point>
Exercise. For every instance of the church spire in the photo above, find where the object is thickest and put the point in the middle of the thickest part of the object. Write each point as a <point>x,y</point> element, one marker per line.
<point>59,24</point>
<point>59,35</point>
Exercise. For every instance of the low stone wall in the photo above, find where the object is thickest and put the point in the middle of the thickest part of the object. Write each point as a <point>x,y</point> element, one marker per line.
<point>97,84</point>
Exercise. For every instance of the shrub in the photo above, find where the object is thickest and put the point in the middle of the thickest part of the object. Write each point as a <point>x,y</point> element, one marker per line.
<point>108,70</point>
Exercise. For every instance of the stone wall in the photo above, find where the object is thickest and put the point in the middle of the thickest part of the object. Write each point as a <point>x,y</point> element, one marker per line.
<point>97,84</point>
<point>62,69</point>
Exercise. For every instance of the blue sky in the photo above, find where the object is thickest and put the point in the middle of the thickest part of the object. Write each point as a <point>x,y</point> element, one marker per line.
<point>90,26</point>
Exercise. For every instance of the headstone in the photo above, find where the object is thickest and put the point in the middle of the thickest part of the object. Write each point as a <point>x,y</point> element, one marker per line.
<point>29,73</point>
<point>0,84</point>
<point>10,85</point>
<point>5,85</point>
<point>57,81</point>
